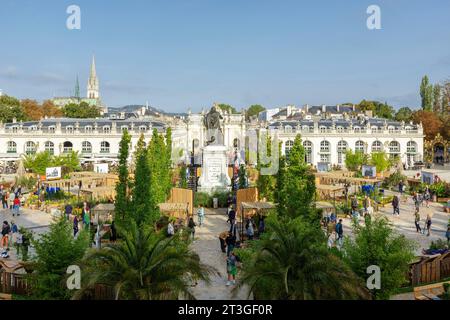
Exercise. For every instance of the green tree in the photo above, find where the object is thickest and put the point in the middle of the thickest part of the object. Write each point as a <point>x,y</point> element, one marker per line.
<point>292,262</point>
<point>376,243</point>
<point>10,108</point>
<point>55,251</point>
<point>159,156</point>
<point>437,106</point>
<point>143,202</point>
<point>404,114</point>
<point>380,160</point>
<point>227,108</point>
<point>355,160</point>
<point>299,181</point>
<point>70,160</point>
<point>38,162</point>
<point>122,204</point>
<point>144,265</point>
<point>265,182</point>
<point>426,94</point>
<point>383,110</point>
<point>254,110</point>
<point>82,110</point>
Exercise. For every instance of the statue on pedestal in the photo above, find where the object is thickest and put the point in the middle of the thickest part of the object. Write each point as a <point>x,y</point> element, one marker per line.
<point>212,124</point>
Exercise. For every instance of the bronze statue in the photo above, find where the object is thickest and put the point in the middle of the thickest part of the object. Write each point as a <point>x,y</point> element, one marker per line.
<point>212,124</point>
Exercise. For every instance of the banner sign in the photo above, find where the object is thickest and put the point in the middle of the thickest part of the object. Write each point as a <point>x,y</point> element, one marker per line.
<point>53,173</point>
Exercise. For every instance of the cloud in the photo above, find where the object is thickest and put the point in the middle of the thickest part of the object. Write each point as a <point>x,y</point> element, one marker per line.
<point>410,99</point>
<point>11,73</point>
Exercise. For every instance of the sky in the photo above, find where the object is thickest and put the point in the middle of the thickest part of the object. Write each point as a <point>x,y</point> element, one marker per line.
<point>188,54</point>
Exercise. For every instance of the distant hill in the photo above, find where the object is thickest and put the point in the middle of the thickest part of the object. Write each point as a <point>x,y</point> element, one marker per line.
<point>151,111</point>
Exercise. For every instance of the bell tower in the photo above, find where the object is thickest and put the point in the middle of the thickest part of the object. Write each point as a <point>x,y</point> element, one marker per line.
<point>93,87</point>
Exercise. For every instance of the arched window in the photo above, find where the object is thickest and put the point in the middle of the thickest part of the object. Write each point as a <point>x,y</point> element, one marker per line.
<point>341,149</point>
<point>49,147</point>
<point>377,146</point>
<point>359,146</point>
<point>104,147</point>
<point>324,151</point>
<point>67,147</point>
<point>324,146</point>
<point>30,147</point>
<point>86,147</point>
<point>288,146</point>
<point>411,153</point>
<point>308,151</point>
<point>12,147</point>
<point>394,149</point>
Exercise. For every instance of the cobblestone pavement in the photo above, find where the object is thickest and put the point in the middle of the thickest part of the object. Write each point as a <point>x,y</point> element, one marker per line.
<point>207,246</point>
<point>405,222</point>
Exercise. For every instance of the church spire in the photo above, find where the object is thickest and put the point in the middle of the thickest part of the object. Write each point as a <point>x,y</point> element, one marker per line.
<point>93,86</point>
<point>77,89</point>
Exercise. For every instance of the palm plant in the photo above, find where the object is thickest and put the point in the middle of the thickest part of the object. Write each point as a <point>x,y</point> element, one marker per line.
<point>292,262</point>
<point>144,265</point>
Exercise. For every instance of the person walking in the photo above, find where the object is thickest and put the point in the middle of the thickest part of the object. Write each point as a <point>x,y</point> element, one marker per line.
<point>354,204</point>
<point>113,231</point>
<point>428,224</point>
<point>400,188</point>
<point>231,269</point>
<point>339,232</point>
<point>231,216</point>
<point>230,242</point>
<point>170,229</point>
<point>417,221</point>
<point>6,229</point>
<point>75,226</point>
<point>86,217</point>
<point>201,215</point>
<point>68,210</point>
<point>396,205</point>
<point>427,197</point>
<point>262,226</point>
<point>16,206</point>
<point>250,229</point>
<point>191,226</point>
<point>11,198</point>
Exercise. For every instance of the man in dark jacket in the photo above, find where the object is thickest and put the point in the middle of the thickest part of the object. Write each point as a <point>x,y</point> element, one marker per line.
<point>395,205</point>
<point>339,232</point>
<point>231,216</point>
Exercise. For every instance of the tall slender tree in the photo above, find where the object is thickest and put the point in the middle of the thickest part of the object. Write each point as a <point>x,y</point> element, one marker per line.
<point>122,201</point>
<point>299,184</point>
<point>426,94</point>
<point>143,203</point>
<point>437,106</point>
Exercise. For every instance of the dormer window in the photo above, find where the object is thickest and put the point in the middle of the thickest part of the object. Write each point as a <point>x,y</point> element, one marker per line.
<point>288,129</point>
<point>69,129</point>
<point>374,129</point>
<point>32,128</point>
<point>323,129</point>
<point>15,129</point>
<point>88,129</point>
<point>123,128</point>
<point>357,129</point>
<point>106,129</point>
<point>340,129</point>
<point>391,129</point>
<point>51,129</point>
<point>142,128</point>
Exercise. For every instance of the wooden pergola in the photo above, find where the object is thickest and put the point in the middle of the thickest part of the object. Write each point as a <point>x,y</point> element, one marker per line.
<point>249,209</point>
<point>103,211</point>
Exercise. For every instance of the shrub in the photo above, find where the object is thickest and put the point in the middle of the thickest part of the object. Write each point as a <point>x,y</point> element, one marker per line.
<point>222,197</point>
<point>202,198</point>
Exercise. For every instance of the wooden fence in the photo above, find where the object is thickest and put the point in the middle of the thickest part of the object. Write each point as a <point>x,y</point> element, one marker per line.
<point>430,269</point>
<point>245,195</point>
<point>14,283</point>
<point>180,195</point>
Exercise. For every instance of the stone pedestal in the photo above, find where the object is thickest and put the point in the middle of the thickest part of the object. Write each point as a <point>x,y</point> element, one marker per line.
<point>214,170</point>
